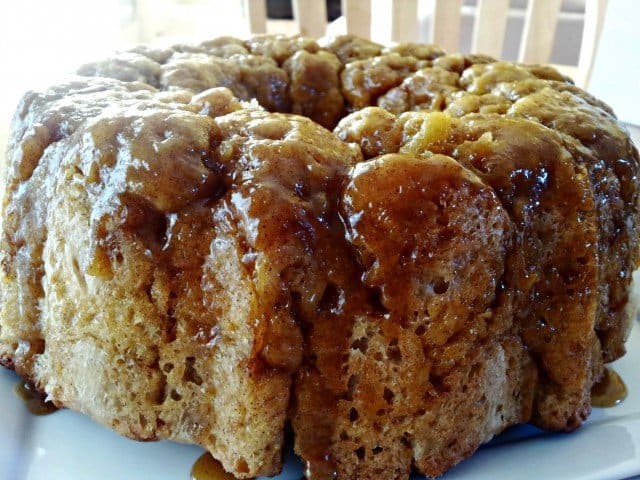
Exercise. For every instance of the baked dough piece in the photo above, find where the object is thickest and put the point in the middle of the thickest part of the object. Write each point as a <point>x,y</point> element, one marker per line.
<point>552,273</point>
<point>141,246</point>
<point>432,340</point>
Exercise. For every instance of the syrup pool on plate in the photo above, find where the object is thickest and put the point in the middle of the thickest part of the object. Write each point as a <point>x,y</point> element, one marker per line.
<point>33,399</point>
<point>609,391</point>
<point>208,468</point>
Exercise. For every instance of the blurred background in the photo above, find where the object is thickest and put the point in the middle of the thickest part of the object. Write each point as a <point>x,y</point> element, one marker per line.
<point>41,40</point>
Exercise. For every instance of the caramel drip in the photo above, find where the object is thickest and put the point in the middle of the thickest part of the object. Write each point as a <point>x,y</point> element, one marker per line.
<point>208,468</point>
<point>34,400</point>
<point>609,391</point>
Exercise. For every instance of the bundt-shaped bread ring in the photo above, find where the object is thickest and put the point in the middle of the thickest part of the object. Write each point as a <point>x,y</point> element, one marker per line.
<point>189,252</point>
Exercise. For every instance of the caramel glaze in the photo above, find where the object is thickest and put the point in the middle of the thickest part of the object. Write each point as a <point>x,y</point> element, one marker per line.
<point>609,391</point>
<point>208,468</point>
<point>33,399</point>
<point>286,212</point>
<point>552,272</point>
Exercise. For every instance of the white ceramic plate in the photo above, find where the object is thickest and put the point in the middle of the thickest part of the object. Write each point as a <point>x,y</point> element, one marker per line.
<point>69,446</point>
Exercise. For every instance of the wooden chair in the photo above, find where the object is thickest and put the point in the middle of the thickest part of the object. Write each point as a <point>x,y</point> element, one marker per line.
<point>400,19</point>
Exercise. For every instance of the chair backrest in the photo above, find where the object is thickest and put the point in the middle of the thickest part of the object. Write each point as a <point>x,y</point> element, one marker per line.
<point>401,20</point>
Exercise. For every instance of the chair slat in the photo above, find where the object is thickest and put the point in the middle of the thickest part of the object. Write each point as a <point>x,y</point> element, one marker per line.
<point>539,31</point>
<point>358,17</point>
<point>310,17</point>
<point>489,27</point>
<point>593,22</point>
<point>404,20</point>
<point>256,15</point>
<point>445,29</point>
<point>147,19</point>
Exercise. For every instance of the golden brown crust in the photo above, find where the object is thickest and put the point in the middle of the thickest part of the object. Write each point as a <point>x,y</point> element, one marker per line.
<point>315,86</point>
<point>349,48</point>
<point>209,268</point>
